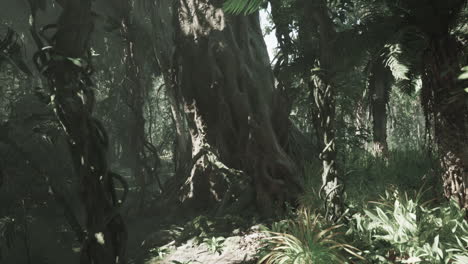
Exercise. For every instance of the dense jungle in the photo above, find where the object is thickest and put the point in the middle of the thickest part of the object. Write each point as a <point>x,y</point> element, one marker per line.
<point>233,131</point>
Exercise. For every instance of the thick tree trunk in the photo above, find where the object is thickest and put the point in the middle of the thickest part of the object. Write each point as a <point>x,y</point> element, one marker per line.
<point>182,145</point>
<point>123,136</point>
<point>445,102</point>
<point>228,91</point>
<point>162,14</point>
<point>67,72</point>
<point>379,88</point>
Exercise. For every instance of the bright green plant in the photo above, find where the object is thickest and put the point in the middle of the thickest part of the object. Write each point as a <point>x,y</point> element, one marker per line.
<point>399,229</point>
<point>304,240</point>
<point>245,7</point>
<point>214,244</point>
<point>160,252</point>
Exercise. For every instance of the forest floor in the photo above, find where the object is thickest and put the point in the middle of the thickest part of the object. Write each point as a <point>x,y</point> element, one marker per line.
<point>198,241</point>
<point>229,239</point>
<point>239,249</point>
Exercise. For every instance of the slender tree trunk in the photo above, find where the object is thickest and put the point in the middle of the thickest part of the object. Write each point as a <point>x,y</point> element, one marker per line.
<point>229,103</point>
<point>445,102</point>
<point>379,87</point>
<point>316,21</point>
<point>332,187</point>
<point>307,31</point>
<point>68,73</point>
<point>134,98</point>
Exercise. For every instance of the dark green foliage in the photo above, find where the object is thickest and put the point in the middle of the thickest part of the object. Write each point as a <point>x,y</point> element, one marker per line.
<point>11,51</point>
<point>393,205</point>
<point>245,7</point>
<point>307,238</point>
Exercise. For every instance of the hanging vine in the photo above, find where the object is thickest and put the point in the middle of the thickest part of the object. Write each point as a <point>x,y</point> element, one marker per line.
<point>65,63</point>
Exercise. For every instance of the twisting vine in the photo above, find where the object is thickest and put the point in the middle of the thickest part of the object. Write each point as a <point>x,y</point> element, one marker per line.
<point>65,62</point>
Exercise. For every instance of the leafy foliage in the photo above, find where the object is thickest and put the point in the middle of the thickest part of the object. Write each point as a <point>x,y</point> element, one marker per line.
<point>160,252</point>
<point>305,239</point>
<point>245,7</point>
<point>407,230</point>
<point>214,244</point>
<point>11,51</point>
<point>397,229</point>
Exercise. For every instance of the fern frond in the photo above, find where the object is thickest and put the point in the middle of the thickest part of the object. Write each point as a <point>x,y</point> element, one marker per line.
<point>246,7</point>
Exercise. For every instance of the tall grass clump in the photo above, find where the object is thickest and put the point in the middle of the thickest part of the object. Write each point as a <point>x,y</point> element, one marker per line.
<point>366,177</point>
<point>305,239</point>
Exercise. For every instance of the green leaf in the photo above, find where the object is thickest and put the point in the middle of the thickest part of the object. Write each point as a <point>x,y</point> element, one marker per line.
<point>412,260</point>
<point>435,245</point>
<point>461,259</point>
<point>463,76</point>
<point>77,61</point>
<point>246,7</point>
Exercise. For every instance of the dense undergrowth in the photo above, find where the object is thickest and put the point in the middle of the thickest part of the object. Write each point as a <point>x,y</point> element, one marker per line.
<point>390,218</point>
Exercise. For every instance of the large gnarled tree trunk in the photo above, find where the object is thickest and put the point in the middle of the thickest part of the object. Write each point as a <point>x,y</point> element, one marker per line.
<point>182,150</point>
<point>228,91</point>
<point>162,30</point>
<point>67,69</point>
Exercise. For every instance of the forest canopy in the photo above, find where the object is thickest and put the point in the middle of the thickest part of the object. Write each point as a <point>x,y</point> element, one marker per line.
<point>233,131</point>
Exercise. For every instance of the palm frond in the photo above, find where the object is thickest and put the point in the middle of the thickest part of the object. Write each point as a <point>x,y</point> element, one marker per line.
<point>246,7</point>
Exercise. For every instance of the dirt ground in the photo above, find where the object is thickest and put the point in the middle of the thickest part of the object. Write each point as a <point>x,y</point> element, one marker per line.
<point>239,249</point>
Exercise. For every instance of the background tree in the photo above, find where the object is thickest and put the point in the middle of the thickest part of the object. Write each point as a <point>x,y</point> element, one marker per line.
<point>380,82</point>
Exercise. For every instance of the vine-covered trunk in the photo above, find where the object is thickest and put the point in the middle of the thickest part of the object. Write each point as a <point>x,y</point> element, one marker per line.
<point>445,103</point>
<point>66,66</point>
<point>379,87</point>
<point>227,86</point>
<point>332,187</point>
<point>134,98</point>
<point>317,34</point>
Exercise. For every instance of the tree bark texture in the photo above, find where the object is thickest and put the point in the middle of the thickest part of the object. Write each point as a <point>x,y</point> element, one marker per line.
<point>445,102</point>
<point>318,35</point>
<point>66,66</point>
<point>379,90</point>
<point>228,91</point>
<point>134,92</point>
